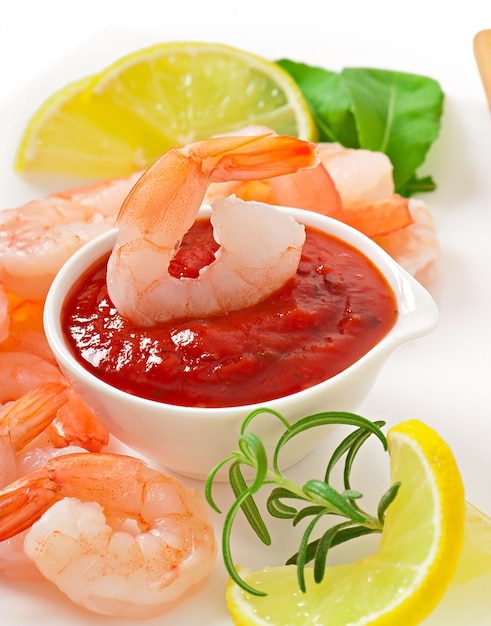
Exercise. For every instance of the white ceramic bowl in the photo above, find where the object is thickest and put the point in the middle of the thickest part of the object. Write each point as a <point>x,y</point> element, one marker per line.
<point>190,441</point>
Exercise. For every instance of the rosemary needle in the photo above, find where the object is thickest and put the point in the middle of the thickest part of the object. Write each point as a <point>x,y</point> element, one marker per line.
<point>312,501</point>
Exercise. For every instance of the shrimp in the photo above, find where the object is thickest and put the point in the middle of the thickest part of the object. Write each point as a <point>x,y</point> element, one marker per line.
<point>4,314</point>
<point>74,422</point>
<point>363,183</point>
<point>21,372</point>
<point>116,547</point>
<point>307,189</point>
<point>260,246</point>
<point>403,227</point>
<point>416,248</point>
<point>37,238</point>
<point>25,329</point>
<point>20,422</point>
<point>359,175</point>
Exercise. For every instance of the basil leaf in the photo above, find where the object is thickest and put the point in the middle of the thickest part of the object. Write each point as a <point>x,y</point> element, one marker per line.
<point>329,102</point>
<point>396,113</point>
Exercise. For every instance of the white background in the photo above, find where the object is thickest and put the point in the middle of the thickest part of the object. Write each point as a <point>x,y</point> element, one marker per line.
<point>443,379</point>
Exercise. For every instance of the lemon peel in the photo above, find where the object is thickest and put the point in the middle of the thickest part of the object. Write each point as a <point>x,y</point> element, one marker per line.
<point>121,119</point>
<point>405,579</point>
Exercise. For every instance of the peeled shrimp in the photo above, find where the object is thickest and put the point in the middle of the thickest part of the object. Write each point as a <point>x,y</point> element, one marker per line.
<point>21,371</point>
<point>37,238</point>
<point>76,424</point>
<point>260,246</point>
<point>73,423</point>
<point>25,329</point>
<point>306,189</point>
<point>4,314</point>
<point>357,188</point>
<point>403,227</point>
<point>20,422</point>
<point>416,247</point>
<point>359,175</point>
<point>127,548</point>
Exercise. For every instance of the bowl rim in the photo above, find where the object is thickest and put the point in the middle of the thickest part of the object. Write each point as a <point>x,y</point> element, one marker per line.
<point>417,312</point>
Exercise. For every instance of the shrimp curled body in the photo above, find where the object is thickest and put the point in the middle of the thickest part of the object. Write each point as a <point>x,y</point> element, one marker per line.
<point>116,547</point>
<point>38,237</point>
<point>260,246</point>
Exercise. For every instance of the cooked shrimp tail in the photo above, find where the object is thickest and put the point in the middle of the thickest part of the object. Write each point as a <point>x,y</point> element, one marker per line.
<point>163,206</point>
<point>32,413</point>
<point>24,501</point>
<point>22,420</point>
<point>80,505</point>
<point>76,424</point>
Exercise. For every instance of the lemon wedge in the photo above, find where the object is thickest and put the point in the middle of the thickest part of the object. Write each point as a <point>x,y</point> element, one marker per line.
<point>123,118</point>
<point>405,579</point>
<point>475,559</point>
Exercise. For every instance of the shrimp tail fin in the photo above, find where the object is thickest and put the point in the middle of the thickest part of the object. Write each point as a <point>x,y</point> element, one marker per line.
<point>24,501</point>
<point>235,157</point>
<point>33,412</point>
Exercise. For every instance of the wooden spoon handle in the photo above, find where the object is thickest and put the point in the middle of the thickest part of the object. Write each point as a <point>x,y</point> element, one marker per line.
<point>482,52</point>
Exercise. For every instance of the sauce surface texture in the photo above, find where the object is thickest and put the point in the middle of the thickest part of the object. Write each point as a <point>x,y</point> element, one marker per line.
<point>337,307</point>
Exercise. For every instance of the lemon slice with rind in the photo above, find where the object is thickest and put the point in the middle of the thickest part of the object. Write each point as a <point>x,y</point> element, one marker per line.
<point>475,559</point>
<point>405,579</point>
<point>123,118</point>
<point>67,135</point>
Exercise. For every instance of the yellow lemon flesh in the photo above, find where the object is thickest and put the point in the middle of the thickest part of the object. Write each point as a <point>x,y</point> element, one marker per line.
<point>123,118</point>
<point>402,582</point>
<point>475,559</point>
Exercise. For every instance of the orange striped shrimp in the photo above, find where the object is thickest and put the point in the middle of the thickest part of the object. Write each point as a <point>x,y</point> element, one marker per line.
<point>260,246</point>
<point>122,548</point>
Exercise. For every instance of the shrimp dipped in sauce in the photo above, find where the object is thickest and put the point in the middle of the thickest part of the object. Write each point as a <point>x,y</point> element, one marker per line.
<point>260,247</point>
<point>356,187</point>
<point>118,547</point>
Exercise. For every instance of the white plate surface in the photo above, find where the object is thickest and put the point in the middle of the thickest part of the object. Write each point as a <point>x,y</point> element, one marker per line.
<point>444,378</point>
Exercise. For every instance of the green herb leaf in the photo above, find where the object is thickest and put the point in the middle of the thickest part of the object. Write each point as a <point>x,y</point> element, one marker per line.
<point>417,185</point>
<point>325,419</point>
<point>386,500</point>
<point>302,553</point>
<point>341,536</point>
<point>322,549</point>
<point>309,511</point>
<point>354,439</point>
<point>249,507</point>
<point>277,508</point>
<point>321,499</point>
<point>329,102</point>
<point>335,501</point>
<point>396,113</point>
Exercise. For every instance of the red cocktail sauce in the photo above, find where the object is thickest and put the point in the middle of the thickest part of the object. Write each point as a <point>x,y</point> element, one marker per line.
<point>335,310</point>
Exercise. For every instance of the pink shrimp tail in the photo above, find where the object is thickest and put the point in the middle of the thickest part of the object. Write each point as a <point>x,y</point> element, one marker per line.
<point>76,424</point>
<point>250,157</point>
<point>24,501</point>
<point>33,412</point>
<point>310,189</point>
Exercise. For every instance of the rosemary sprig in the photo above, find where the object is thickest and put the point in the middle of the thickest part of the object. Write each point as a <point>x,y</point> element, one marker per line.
<point>314,500</point>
